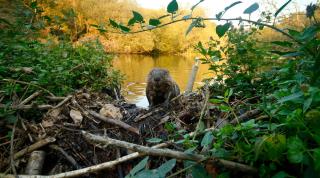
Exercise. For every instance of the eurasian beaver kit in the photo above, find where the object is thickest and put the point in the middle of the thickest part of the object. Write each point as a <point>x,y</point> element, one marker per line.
<point>161,88</point>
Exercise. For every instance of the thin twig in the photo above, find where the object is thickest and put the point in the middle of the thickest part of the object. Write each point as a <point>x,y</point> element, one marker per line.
<point>63,102</point>
<point>29,83</point>
<point>33,147</point>
<point>25,107</point>
<point>13,168</point>
<point>204,108</point>
<point>115,122</point>
<point>55,98</point>
<point>66,155</point>
<point>31,97</point>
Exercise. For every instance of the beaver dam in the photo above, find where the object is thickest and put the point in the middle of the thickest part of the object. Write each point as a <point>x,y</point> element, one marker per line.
<point>99,135</point>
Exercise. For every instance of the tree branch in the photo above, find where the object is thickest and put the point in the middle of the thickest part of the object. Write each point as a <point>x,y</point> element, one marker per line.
<point>224,19</point>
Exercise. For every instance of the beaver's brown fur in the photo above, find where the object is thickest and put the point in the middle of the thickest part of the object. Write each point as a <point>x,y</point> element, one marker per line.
<point>161,88</point>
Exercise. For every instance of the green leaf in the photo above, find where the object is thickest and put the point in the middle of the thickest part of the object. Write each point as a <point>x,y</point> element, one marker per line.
<point>114,23</point>
<point>309,33</point>
<point>154,140</point>
<point>228,93</point>
<point>194,6</point>
<point>293,32</point>
<point>137,16</point>
<point>11,119</point>
<point>293,54</point>
<point>281,174</point>
<point>282,43</point>
<point>154,22</point>
<point>201,126</point>
<point>231,5</point>
<point>290,97</point>
<point>219,15</point>
<point>295,149</point>
<point>148,174</point>
<point>124,28</point>
<point>142,164</point>
<point>222,29</point>
<point>207,139</point>
<point>316,155</point>
<point>172,7</point>
<point>132,21</point>
<point>224,108</point>
<point>215,101</point>
<point>166,167</point>
<point>34,4</point>
<point>307,103</point>
<point>191,26</point>
<point>199,171</point>
<point>281,8</point>
<point>9,134</point>
<point>251,9</point>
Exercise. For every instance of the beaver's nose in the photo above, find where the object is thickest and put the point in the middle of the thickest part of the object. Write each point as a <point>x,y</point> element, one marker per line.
<point>157,79</point>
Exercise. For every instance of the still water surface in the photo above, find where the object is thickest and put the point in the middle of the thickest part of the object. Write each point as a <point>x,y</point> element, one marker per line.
<point>137,67</point>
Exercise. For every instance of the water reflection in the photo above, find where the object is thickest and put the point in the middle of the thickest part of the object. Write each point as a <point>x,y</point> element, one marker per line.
<point>137,67</point>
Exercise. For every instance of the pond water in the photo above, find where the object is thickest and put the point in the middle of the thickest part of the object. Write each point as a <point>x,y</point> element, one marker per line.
<point>137,67</point>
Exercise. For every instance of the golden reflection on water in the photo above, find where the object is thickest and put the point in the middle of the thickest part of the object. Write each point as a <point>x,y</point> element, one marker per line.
<point>137,67</point>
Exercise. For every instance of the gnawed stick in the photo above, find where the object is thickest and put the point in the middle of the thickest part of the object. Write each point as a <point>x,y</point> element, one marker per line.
<point>31,97</point>
<point>35,162</point>
<point>34,146</point>
<point>115,122</point>
<point>193,75</point>
<point>166,152</point>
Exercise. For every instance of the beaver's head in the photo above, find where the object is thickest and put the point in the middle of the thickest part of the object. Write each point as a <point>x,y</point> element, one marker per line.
<point>159,77</point>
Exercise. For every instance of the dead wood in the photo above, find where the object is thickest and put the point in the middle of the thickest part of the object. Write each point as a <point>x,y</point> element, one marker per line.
<point>166,152</point>
<point>63,102</point>
<point>31,97</point>
<point>34,146</point>
<point>55,98</point>
<point>30,106</point>
<point>150,113</point>
<point>115,122</point>
<point>193,75</point>
<point>35,163</point>
<point>91,169</point>
<point>66,155</point>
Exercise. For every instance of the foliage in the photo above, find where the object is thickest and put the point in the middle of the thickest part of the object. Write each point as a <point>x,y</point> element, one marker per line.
<point>287,142</point>
<point>139,172</point>
<point>28,65</point>
<point>71,20</point>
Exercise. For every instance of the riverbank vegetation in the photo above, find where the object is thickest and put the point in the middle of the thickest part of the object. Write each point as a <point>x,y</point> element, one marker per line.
<point>257,118</point>
<point>70,19</point>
